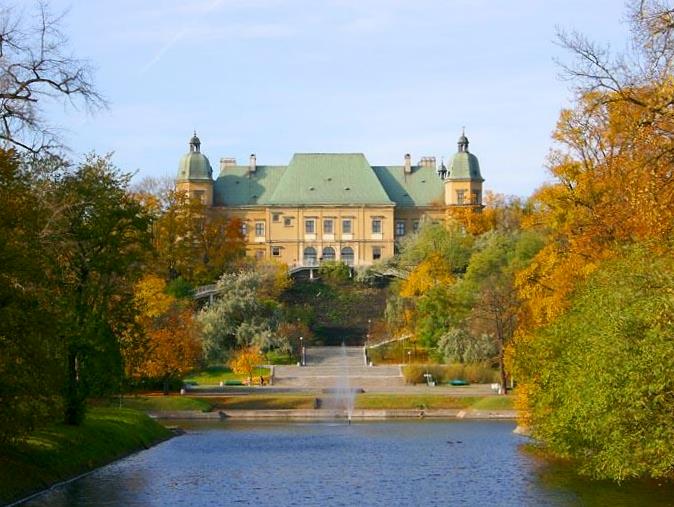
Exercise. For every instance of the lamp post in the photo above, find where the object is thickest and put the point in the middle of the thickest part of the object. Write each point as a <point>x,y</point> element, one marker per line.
<point>409,357</point>
<point>303,359</point>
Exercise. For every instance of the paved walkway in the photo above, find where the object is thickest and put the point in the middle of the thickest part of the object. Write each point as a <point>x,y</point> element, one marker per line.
<point>337,367</point>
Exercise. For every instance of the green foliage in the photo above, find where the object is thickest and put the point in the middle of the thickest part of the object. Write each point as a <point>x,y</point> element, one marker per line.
<point>447,241</point>
<point>179,288</point>
<point>29,348</point>
<point>241,317</point>
<point>602,381</point>
<point>334,272</point>
<point>459,346</point>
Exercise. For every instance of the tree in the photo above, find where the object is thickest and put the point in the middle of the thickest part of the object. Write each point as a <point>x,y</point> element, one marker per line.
<point>246,360</point>
<point>171,346</point>
<point>99,239</point>
<point>35,65</point>
<point>30,354</point>
<point>241,316</point>
<point>599,377</point>
<point>190,242</point>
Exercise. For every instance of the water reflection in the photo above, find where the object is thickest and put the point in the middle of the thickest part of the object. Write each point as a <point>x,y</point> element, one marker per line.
<point>380,464</point>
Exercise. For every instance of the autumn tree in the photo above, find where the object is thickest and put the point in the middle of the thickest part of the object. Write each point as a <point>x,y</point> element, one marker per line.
<point>170,345</point>
<point>612,190</point>
<point>193,243</point>
<point>246,360</point>
<point>37,67</point>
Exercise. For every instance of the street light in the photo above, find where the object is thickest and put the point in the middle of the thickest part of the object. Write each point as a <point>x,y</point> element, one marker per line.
<point>303,359</point>
<point>409,357</point>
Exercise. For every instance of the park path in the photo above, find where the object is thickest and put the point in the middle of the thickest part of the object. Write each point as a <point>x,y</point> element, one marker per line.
<point>328,367</point>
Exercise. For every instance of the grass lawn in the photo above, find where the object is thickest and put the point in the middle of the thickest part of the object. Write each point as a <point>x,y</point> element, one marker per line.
<point>412,401</point>
<point>494,403</point>
<point>154,403</point>
<point>58,452</point>
<point>213,375</point>
<point>262,402</point>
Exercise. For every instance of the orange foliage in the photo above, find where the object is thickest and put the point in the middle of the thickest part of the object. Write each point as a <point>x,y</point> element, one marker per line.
<point>169,345</point>
<point>246,360</point>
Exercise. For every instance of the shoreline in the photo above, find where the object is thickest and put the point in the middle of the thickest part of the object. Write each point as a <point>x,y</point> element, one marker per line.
<point>40,473</point>
<point>331,415</point>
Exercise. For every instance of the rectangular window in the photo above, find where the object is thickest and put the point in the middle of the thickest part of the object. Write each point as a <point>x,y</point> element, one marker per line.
<point>259,229</point>
<point>244,229</point>
<point>310,226</point>
<point>376,253</point>
<point>259,254</point>
<point>276,251</point>
<point>346,226</point>
<point>460,196</point>
<point>415,225</point>
<point>275,217</point>
<point>327,226</point>
<point>400,227</point>
<point>476,197</point>
<point>288,221</point>
<point>376,226</point>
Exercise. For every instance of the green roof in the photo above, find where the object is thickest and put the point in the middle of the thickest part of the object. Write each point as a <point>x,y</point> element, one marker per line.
<point>328,178</point>
<point>421,187</point>
<point>237,187</point>
<point>465,167</point>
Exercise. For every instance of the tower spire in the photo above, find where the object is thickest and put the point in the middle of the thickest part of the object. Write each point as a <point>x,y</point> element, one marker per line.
<point>195,143</point>
<point>463,140</point>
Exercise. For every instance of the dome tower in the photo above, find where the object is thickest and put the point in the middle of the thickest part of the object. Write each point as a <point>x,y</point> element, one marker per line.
<point>463,185</point>
<point>195,175</point>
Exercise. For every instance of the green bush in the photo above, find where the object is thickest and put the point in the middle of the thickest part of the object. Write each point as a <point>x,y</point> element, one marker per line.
<point>443,373</point>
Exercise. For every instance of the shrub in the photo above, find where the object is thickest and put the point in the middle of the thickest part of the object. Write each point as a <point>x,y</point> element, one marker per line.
<point>443,373</point>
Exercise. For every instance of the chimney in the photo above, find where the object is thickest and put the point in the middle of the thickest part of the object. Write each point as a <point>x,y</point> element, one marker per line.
<point>408,163</point>
<point>227,162</point>
<point>253,163</point>
<point>427,162</point>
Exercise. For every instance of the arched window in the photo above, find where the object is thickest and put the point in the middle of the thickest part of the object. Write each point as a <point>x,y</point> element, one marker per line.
<point>347,255</point>
<point>310,256</point>
<point>328,253</point>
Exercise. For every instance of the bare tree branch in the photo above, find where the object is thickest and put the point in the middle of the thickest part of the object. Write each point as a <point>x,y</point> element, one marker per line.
<point>34,66</point>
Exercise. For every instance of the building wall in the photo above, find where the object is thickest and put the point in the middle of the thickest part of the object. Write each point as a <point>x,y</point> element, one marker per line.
<point>468,187</point>
<point>202,190</point>
<point>281,232</point>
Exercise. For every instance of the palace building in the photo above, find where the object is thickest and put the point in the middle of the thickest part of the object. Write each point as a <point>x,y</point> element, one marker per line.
<point>331,206</point>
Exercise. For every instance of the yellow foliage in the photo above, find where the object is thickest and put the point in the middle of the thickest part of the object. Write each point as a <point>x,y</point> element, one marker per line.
<point>432,271</point>
<point>246,360</point>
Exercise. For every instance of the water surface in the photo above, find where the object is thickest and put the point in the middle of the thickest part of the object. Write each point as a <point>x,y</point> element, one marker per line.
<point>419,463</point>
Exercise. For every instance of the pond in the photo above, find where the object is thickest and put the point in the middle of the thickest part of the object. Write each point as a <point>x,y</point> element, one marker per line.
<point>419,463</point>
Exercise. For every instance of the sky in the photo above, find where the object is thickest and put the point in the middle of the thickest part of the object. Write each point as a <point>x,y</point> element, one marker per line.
<point>275,77</point>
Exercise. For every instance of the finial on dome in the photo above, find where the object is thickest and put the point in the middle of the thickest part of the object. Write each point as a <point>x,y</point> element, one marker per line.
<point>195,143</point>
<point>463,140</point>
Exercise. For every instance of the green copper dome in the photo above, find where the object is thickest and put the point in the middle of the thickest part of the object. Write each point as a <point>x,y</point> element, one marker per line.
<point>194,165</point>
<point>464,164</point>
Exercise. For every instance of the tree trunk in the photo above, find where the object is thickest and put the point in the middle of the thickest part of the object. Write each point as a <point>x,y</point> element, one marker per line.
<point>166,386</point>
<point>502,371</point>
<point>74,402</point>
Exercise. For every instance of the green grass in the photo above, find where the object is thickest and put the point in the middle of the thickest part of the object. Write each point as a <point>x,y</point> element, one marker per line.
<point>213,375</point>
<point>411,401</point>
<point>155,403</point>
<point>262,402</point>
<point>58,452</point>
<point>494,403</point>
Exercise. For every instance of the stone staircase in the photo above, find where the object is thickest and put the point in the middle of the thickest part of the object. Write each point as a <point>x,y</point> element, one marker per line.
<point>337,367</point>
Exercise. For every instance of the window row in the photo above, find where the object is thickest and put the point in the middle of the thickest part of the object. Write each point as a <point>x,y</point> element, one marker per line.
<point>329,226</point>
<point>462,195</point>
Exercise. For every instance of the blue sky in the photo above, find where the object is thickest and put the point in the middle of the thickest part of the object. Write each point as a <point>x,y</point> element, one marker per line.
<point>274,77</point>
